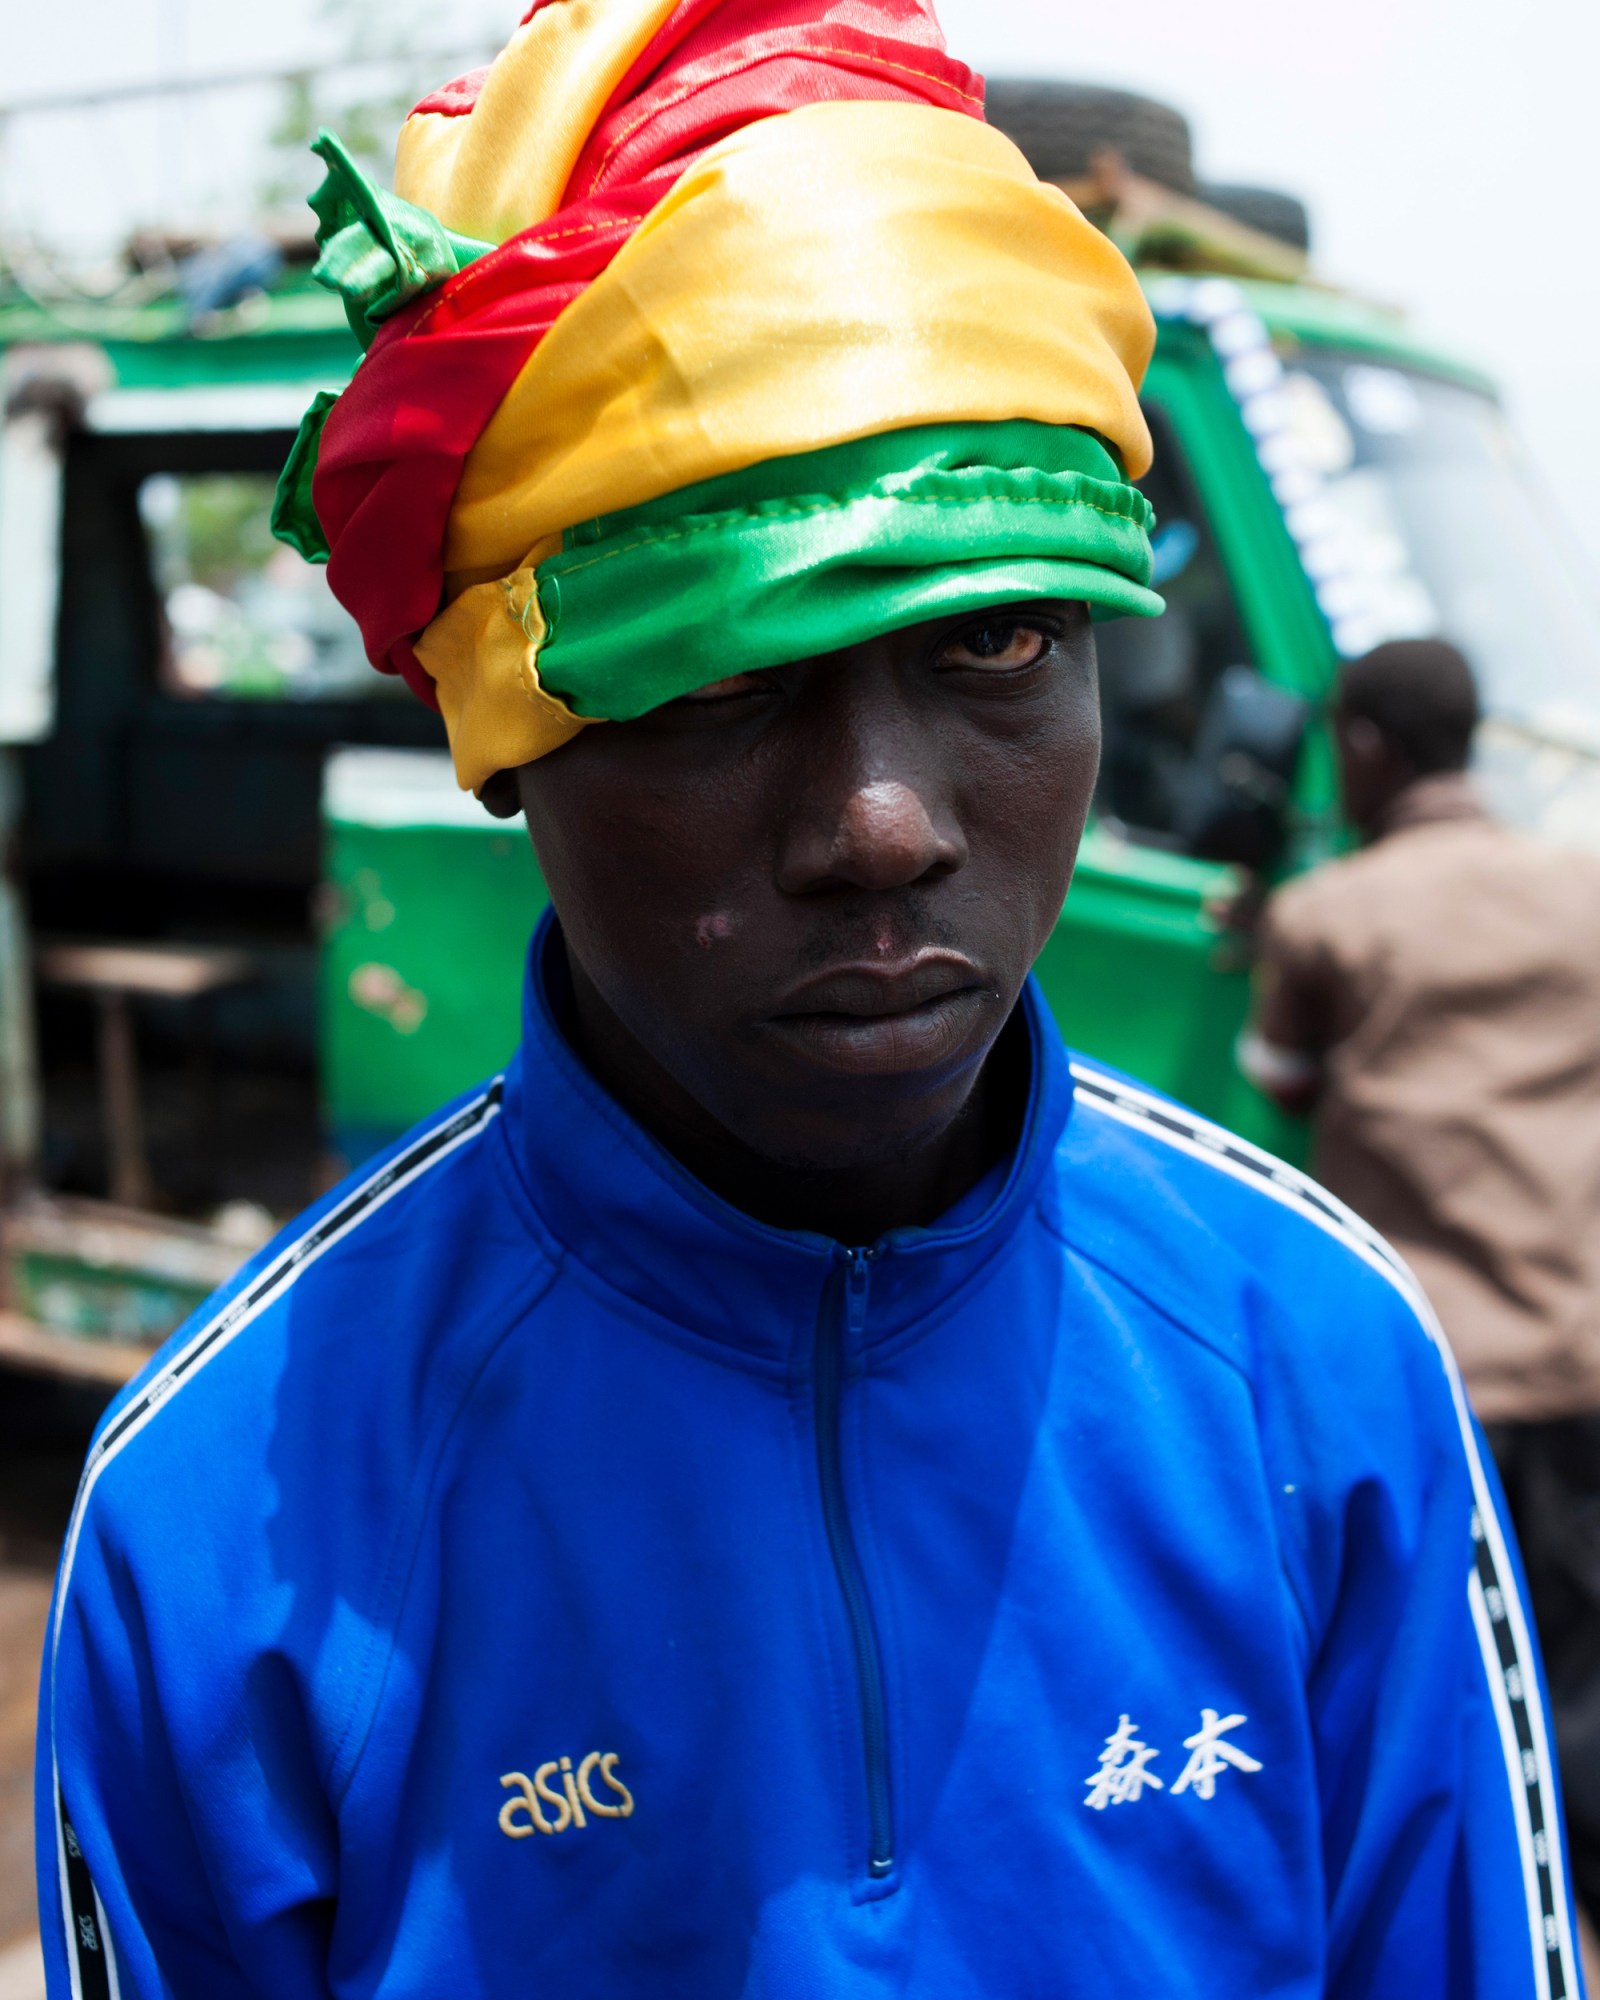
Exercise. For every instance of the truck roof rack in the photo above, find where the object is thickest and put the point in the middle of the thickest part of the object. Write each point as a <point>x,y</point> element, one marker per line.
<point>1155,227</point>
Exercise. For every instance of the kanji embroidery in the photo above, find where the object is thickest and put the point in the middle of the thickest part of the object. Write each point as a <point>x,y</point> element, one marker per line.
<point>1124,1769</point>
<point>1209,1755</point>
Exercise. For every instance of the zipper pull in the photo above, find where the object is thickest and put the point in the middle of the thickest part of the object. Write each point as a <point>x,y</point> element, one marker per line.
<point>857,1279</point>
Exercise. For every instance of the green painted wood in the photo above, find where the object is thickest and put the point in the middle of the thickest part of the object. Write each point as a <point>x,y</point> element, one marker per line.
<point>426,932</point>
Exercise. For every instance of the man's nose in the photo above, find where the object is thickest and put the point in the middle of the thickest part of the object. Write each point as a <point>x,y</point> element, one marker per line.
<point>882,833</point>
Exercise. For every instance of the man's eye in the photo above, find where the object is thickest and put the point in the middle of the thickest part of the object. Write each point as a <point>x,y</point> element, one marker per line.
<point>726,690</point>
<point>997,647</point>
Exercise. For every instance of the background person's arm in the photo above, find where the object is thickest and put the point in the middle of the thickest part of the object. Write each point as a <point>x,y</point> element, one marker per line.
<point>1284,1044</point>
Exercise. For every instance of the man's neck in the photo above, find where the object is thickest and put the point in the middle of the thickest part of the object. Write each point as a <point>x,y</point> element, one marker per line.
<point>1428,800</point>
<point>854,1205</point>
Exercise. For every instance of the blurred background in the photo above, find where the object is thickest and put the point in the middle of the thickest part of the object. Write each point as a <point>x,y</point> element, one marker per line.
<point>247,924</point>
<point>1445,149</point>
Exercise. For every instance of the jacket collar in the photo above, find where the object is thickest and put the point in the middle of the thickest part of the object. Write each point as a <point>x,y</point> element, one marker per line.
<point>1433,801</point>
<point>619,1206</point>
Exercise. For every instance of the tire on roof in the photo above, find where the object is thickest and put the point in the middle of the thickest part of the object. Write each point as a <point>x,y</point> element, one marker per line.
<point>1061,126</point>
<point>1267,209</point>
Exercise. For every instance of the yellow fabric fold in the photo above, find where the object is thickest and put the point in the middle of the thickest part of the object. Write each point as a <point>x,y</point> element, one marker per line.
<point>503,166</point>
<point>843,270</point>
<point>483,655</point>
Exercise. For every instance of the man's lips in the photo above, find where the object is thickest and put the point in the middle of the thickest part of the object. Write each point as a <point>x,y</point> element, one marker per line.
<point>880,1019</point>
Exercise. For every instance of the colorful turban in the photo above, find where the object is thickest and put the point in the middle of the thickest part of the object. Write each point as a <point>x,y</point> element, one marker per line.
<point>702,335</point>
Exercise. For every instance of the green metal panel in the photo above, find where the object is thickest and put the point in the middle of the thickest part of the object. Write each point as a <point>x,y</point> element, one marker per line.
<point>1141,974</point>
<point>286,354</point>
<point>430,904</point>
<point>298,333</point>
<point>70,1295</point>
<point>101,1273</point>
<point>1275,600</point>
<point>1336,319</point>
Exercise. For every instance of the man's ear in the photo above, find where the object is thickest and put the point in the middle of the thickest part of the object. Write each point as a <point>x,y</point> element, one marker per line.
<point>500,795</point>
<point>1363,736</point>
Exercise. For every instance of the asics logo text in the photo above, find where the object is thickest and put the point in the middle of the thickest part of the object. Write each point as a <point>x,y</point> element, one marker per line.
<point>557,1796</point>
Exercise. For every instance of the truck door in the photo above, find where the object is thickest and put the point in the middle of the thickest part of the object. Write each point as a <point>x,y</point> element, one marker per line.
<point>1142,972</point>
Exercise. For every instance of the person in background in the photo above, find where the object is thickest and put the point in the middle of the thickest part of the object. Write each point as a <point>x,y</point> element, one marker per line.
<point>1434,1001</point>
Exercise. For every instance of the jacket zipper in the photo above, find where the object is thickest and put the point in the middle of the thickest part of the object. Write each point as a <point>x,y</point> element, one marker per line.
<point>844,1312</point>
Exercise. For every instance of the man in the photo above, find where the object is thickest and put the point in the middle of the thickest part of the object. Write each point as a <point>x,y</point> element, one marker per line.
<point>795,1489</point>
<point>1436,999</point>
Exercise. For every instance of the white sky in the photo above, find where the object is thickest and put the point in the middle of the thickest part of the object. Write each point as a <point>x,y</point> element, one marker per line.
<point>1448,148</point>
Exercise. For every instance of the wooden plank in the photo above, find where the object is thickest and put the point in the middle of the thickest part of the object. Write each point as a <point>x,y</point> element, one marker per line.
<point>129,1241</point>
<point>24,1343</point>
<point>173,972</point>
<point>1150,222</point>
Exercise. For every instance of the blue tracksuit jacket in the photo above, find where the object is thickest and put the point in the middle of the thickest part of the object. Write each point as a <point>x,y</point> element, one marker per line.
<point>533,1577</point>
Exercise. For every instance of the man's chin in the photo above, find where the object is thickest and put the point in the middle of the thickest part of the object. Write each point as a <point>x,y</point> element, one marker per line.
<point>857,1128</point>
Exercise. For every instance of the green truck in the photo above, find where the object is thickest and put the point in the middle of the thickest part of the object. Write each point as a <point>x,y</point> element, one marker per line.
<point>250,930</point>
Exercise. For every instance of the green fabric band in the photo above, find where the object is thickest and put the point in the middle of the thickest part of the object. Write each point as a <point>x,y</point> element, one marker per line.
<point>294,519</point>
<point>378,252</point>
<point>799,556</point>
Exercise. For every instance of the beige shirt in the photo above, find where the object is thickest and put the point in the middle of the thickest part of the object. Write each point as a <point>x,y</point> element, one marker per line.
<point>1449,977</point>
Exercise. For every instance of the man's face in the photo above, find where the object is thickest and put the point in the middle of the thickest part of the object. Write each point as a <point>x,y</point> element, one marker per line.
<point>811,895</point>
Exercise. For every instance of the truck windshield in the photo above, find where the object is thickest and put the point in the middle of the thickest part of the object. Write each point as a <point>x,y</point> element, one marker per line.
<point>1436,528</point>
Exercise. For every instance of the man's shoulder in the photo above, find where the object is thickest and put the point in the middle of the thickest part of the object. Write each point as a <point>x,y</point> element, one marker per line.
<point>1424,879</point>
<point>1340,887</point>
<point>261,1489</point>
<point>1238,1250</point>
<point>349,1320</point>
<point>1433,849</point>
<point>1147,1164</point>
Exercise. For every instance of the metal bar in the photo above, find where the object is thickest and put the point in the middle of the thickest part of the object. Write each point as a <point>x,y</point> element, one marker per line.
<point>236,79</point>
